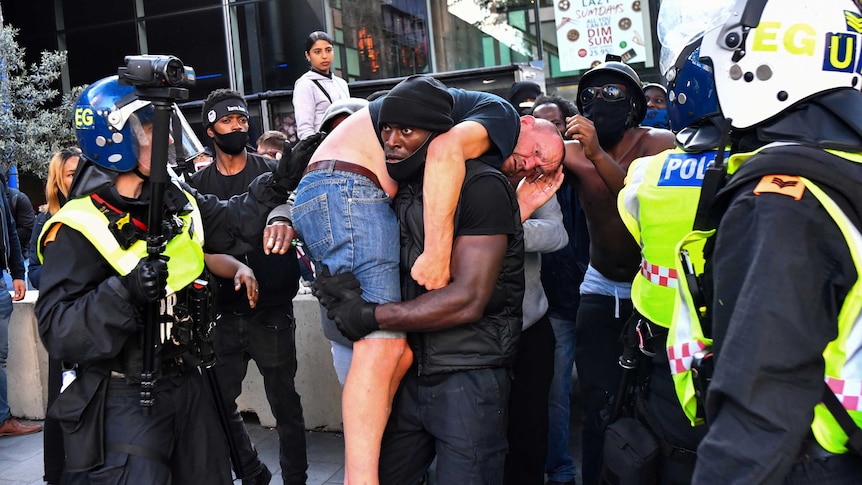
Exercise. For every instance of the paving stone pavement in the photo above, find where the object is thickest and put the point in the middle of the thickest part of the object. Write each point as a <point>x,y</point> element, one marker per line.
<point>21,456</point>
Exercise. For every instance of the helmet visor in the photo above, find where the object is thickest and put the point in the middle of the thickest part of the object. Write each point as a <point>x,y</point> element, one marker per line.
<point>682,21</point>
<point>188,146</point>
<point>183,143</point>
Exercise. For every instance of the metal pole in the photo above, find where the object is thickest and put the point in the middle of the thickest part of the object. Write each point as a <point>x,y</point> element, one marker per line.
<point>538,30</point>
<point>228,40</point>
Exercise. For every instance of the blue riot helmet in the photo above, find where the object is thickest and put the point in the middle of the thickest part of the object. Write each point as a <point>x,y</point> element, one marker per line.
<point>112,125</point>
<point>691,89</point>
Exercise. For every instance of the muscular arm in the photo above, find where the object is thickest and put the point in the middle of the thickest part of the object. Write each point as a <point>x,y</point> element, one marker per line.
<point>476,263</point>
<point>226,266</point>
<point>235,226</point>
<point>444,174</point>
<point>775,309</point>
<point>583,131</point>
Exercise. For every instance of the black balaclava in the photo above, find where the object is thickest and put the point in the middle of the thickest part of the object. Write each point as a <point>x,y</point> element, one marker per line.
<point>611,119</point>
<point>417,102</point>
<point>411,168</point>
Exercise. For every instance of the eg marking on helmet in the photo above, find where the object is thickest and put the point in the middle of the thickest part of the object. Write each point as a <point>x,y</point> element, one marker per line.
<point>794,53</point>
<point>83,118</point>
<point>839,52</point>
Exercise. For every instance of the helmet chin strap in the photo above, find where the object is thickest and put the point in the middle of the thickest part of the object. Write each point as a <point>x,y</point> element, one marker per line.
<point>139,174</point>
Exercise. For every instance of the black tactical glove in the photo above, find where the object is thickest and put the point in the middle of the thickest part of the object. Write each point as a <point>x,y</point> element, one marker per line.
<point>146,283</point>
<point>294,160</point>
<point>341,295</point>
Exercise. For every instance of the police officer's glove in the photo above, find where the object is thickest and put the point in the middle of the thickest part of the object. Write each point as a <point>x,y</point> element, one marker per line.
<point>146,283</point>
<point>341,295</point>
<point>294,160</point>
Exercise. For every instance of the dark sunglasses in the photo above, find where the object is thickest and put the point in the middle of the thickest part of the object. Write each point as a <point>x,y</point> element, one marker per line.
<point>608,92</point>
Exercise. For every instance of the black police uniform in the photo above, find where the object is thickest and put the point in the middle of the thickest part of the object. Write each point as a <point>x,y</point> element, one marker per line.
<point>85,317</point>
<point>782,269</point>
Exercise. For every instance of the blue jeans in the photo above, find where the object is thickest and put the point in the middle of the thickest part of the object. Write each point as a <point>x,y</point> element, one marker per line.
<point>559,465</point>
<point>345,222</point>
<point>5,315</point>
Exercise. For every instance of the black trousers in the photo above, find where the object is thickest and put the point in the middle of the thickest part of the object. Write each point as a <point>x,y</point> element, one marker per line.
<point>178,441</point>
<point>528,406</point>
<point>597,351</point>
<point>459,417</point>
<point>54,454</point>
<point>269,337</point>
<point>673,426</point>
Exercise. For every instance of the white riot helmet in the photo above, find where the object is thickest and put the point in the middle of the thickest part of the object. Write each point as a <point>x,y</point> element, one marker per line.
<point>769,55</point>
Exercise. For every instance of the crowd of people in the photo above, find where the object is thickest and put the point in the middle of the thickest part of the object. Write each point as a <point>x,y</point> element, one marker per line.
<point>691,247</point>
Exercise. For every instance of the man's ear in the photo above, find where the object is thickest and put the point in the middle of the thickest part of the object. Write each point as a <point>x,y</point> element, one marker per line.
<point>528,120</point>
<point>210,132</point>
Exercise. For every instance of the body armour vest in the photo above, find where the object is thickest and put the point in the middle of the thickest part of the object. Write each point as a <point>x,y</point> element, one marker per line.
<point>185,249</point>
<point>490,342</point>
<point>186,264</point>
<point>842,356</point>
<point>658,205</point>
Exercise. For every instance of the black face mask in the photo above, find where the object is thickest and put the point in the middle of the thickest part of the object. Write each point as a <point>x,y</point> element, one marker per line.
<point>611,120</point>
<point>232,143</point>
<point>411,168</point>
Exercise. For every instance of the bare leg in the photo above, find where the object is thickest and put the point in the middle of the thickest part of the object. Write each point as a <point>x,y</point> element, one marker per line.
<point>376,370</point>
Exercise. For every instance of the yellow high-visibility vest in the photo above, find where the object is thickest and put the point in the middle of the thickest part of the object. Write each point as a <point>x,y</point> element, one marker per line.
<point>185,250</point>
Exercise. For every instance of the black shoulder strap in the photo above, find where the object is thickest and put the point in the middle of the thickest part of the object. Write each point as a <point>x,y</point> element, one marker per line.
<point>325,93</point>
<point>839,412</point>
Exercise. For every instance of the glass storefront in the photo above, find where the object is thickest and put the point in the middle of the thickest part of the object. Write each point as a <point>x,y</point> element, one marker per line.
<point>256,46</point>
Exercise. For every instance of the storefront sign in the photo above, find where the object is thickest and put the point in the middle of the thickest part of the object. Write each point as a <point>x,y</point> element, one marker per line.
<point>587,30</point>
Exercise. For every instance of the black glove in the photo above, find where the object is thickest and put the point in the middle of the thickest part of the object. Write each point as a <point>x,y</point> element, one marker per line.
<point>146,283</point>
<point>294,159</point>
<point>341,295</point>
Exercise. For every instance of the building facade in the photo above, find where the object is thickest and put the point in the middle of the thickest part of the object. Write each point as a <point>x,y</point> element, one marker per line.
<point>256,46</point>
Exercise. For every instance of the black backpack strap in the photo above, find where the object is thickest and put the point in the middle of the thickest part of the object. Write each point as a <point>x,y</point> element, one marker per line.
<point>839,412</point>
<point>325,93</point>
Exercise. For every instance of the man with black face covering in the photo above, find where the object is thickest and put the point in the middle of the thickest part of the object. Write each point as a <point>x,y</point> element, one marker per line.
<point>352,170</point>
<point>464,335</point>
<point>265,333</point>
<point>613,104</point>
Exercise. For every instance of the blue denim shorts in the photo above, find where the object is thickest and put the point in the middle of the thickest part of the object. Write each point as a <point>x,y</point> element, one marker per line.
<point>346,223</point>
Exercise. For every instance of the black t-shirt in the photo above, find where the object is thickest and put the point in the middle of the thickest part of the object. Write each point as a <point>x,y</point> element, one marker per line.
<point>499,118</point>
<point>277,275</point>
<point>480,212</point>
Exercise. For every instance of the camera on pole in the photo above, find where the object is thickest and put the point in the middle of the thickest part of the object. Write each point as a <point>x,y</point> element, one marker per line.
<point>161,80</point>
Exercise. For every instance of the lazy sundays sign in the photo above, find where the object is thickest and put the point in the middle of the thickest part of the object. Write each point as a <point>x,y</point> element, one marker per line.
<point>589,29</point>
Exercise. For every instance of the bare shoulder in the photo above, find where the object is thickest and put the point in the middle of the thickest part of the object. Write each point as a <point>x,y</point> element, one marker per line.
<point>354,140</point>
<point>656,140</point>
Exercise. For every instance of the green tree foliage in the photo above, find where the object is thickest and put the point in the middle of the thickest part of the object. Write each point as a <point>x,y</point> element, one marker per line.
<point>34,123</point>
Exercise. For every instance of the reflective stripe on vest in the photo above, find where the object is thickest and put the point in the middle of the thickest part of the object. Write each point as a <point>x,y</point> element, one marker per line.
<point>659,275</point>
<point>658,205</point>
<point>184,250</point>
<point>843,356</point>
<point>685,335</point>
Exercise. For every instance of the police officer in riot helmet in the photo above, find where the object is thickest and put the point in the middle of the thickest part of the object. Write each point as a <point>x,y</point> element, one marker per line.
<point>98,284</point>
<point>783,268</point>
